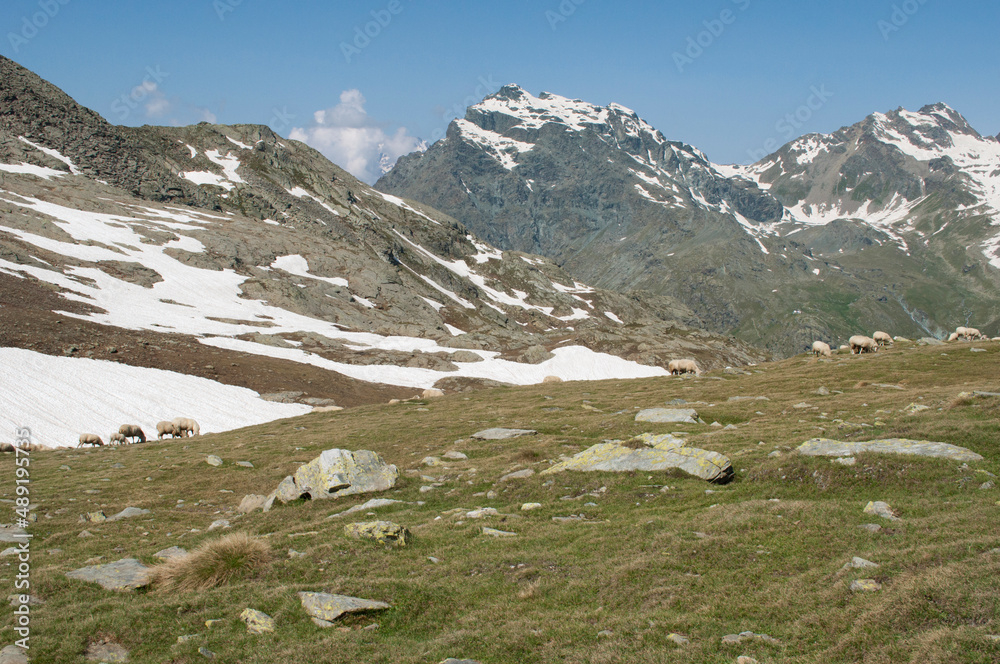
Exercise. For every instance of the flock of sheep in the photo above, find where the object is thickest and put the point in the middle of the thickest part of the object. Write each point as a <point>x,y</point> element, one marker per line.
<point>179,427</point>
<point>859,343</point>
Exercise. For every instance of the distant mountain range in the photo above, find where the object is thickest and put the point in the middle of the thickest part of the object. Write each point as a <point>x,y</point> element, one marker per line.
<point>234,254</point>
<point>888,224</point>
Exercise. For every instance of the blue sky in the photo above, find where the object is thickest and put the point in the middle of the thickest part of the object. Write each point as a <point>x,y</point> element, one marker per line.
<point>721,75</point>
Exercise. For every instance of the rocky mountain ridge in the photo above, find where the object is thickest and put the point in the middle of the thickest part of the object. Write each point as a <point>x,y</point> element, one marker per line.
<point>774,252</point>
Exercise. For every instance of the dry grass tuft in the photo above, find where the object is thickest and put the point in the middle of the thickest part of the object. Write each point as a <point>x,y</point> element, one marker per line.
<point>861,383</point>
<point>214,563</point>
<point>960,401</point>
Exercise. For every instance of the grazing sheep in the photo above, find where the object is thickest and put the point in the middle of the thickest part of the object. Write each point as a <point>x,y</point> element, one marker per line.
<point>973,334</point>
<point>90,439</point>
<point>882,339</point>
<point>677,367</point>
<point>953,336</point>
<point>862,344</point>
<point>116,439</point>
<point>185,426</point>
<point>132,431</point>
<point>821,348</point>
<point>166,428</point>
<point>6,447</point>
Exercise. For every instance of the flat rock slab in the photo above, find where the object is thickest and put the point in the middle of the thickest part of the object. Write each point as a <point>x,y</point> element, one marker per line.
<point>502,434</point>
<point>106,652</point>
<point>171,553</point>
<point>128,513</point>
<point>257,622</point>
<point>123,575</point>
<point>668,416</point>
<point>882,509</point>
<point>865,586</point>
<point>374,503</point>
<point>383,532</point>
<point>325,606</point>
<point>336,473</point>
<point>836,448</point>
<point>13,655</point>
<point>662,453</point>
<point>13,534</point>
<point>493,532</point>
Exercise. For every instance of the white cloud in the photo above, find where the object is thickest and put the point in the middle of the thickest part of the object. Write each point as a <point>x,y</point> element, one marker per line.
<point>354,141</point>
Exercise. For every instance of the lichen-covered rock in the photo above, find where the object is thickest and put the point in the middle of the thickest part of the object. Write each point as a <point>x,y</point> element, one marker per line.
<point>662,453</point>
<point>257,622</point>
<point>336,473</point>
<point>383,532</point>
<point>668,416</point>
<point>170,553</point>
<point>123,575</point>
<point>327,607</point>
<point>836,448</point>
<point>502,434</point>
<point>865,586</point>
<point>882,509</point>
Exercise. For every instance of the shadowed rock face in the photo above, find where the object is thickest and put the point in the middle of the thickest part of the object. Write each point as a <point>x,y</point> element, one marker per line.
<point>835,448</point>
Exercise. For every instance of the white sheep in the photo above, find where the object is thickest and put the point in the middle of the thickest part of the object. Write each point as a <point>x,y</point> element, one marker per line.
<point>953,336</point>
<point>132,431</point>
<point>90,439</point>
<point>862,344</point>
<point>116,439</point>
<point>882,338</point>
<point>677,367</point>
<point>184,426</point>
<point>166,428</point>
<point>6,447</point>
<point>822,348</point>
<point>973,334</point>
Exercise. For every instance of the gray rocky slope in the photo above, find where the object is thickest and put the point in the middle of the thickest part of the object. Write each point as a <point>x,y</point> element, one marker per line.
<point>884,225</point>
<point>243,240</point>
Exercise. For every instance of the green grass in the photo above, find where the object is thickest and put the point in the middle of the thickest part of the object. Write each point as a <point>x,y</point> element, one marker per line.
<point>764,553</point>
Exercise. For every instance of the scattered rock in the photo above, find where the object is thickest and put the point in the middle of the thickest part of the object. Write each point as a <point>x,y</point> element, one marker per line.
<point>213,460</point>
<point>186,638</point>
<point>128,513</point>
<point>170,553</point>
<point>882,509</point>
<point>774,454</point>
<point>206,653</point>
<point>678,639</point>
<point>871,527</point>
<point>123,575</point>
<point>605,634</point>
<point>452,660</point>
<point>743,659</point>
<point>83,533</point>
<point>219,524</point>
<point>493,532</point>
<point>481,512</point>
<point>244,464</point>
<point>834,448</point>
<point>657,453</point>
<point>859,563</point>
<point>455,456</point>
<point>929,341</point>
<point>865,586</point>
<point>668,416</point>
<point>327,607</point>
<point>749,636</point>
<point>519,475</point>
<point>823,392</point>
<point>89,517</point>
<point>13,655</point>
<point>502,434</point>
<point>978,350</point>
<point>374,503</point>
<point>845,461</point>
<point>252,502</point>
<point>336,473</point>
<point>383,532</point>
<point>106,652</point>
<point>257,622</point>
<point>986,486</point>
<point>527,507</point>
<point>431,461</point>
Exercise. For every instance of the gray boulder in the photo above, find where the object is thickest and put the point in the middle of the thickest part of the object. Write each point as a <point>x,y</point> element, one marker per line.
<point>336,473</point>
<point>835,448</point>
<point>502,434</point>
<point>123,575</point>
<point>668,416</point>
<point>327,607</point>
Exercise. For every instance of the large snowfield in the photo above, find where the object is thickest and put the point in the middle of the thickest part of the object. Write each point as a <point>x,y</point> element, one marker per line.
<point>58,398</point>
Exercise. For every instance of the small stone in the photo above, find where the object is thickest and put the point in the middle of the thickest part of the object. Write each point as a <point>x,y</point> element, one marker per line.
<point>730,427</point>
<point>882,509</point>
<point>519,475</point>
<point>859,563</point>
<point>743,659</point>
<point>244,464</point>
<point>774,454</point>
<point>292,553</point>
<point>731,638</point>
<point>170,553</point>
<point>128,513</point>
<point>455,456</point>
<point>986,486</point>
<point>212,622</point>
<point>206,653</point>
<point>94,517</point>
<point>502,434</point>
<point>426,489</point>
<point>678,639</point>
<point>845,461</point>
<point>213,460</point>
<point>83,533</point>
<point>219,523</point>
<point>871,527</point>
<point>605,633</point>
<point>668,416</point>
<point>106,652</point>
<point>527,507</point>
<point>257,622</point>
<point>329,607</point>
<point>431,461</point>
<point>251,503</point>
<point>187,637</point>
<point>823,392</point>
<point>493,532</point>
<point>865,586</point>
<point>382,532</point>
<point>482,512</point>
<point>123,575</point>
<point>13,655</point>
